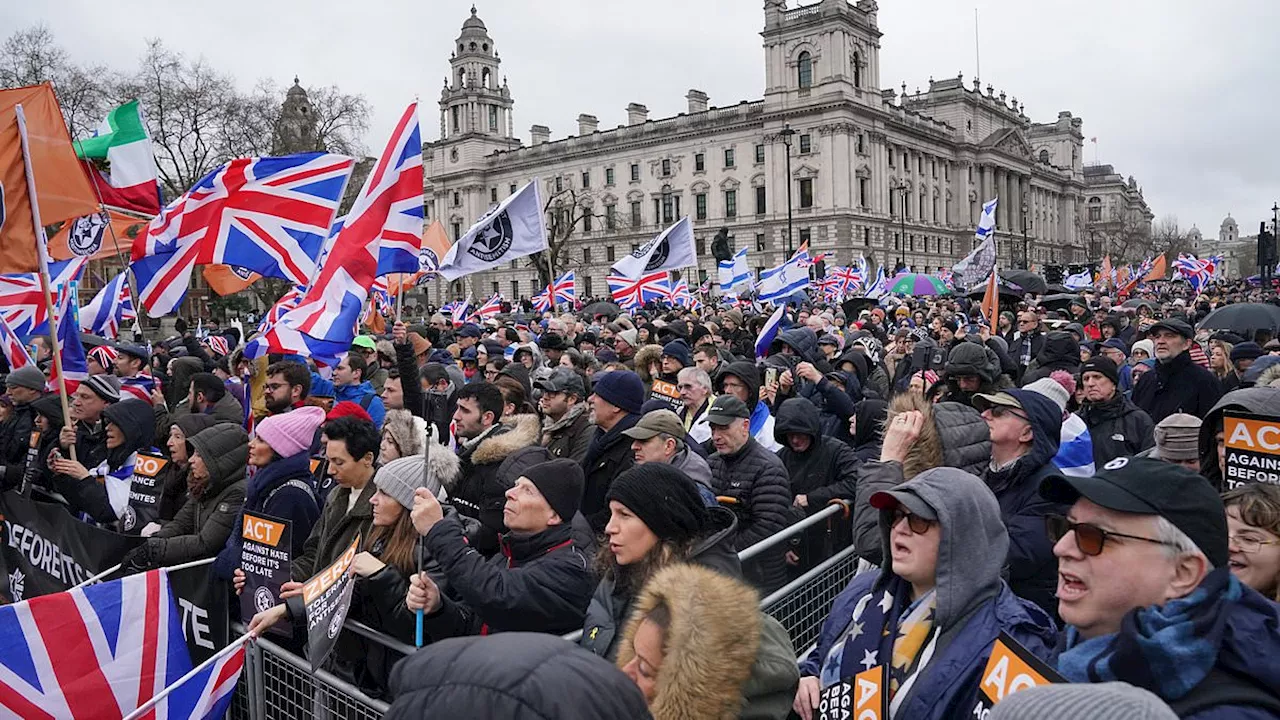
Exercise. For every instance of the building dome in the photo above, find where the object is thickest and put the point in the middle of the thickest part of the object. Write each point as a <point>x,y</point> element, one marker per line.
<point>297,92</point>
<point>473,22</point>
<point>1229,221</point>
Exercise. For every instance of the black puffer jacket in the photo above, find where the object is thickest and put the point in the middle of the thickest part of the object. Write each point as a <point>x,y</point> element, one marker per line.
<point>540,583</point>
<point>608,456</point>
<point>480,491</point>
<point>517,675</point>
<point>202,526</point>
<point>1178,386</point>
<point>1117,428</point>
<point>611,603</point>
<point>757,482</point>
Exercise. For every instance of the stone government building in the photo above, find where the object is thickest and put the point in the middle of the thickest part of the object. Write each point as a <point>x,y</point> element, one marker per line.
<point>896,177</point>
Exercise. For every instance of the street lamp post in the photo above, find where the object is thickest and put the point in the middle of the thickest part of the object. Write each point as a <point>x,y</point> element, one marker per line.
<point>902,187</point>
<point>786,134</point>
<point>1026,243</point>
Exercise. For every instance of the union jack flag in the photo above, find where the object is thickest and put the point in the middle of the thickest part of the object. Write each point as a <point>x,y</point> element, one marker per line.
<point>1195,271</point>
<point>705,288</point>
<point>846,281</point>
<point>542,301</point>
<point>15,353</point>
<point>284,304</point>
<point>22,297</point>
<point>109,309</point>
<point>948,277</point>
<point>565,289</point>
<point>681,296</point>
<point>489,309</point>
<point>381,297</point>
<point>634,292</point>
<point>75,366</point>
<point>459,312</point>
<point>140,386</point>
<point>270,215</point>
<point>323,324</point>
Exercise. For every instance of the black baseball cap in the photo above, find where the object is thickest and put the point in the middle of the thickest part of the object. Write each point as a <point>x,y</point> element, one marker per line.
<point>726,409</point>
<point>1173,325</point>
<point>1144,486</point>
<point>562,380</point>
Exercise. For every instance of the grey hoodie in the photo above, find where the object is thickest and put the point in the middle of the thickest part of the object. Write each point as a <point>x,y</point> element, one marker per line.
<point>973,545</point>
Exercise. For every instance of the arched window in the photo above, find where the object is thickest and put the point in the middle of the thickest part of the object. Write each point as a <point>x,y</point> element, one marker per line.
<point>484,79</point>
<point>804,70</point>
<point>857,69</point>
<point>462,77</point>
<point>1044,156</point>
<point>1095,209</point>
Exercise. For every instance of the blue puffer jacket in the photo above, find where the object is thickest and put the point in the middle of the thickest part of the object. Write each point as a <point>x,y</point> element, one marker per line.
<point>270,492</point>
<point>358,394</point>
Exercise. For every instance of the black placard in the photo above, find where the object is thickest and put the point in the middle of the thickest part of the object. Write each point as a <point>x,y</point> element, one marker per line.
<point>264,558</point>
<point>327,598</point>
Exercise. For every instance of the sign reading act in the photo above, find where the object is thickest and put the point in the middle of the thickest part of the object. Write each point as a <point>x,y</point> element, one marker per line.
<point>1252,449</point>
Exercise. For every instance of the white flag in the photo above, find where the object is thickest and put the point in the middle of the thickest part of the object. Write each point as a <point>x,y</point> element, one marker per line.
<point>979,263</point>
<point>780,282</point>
<point>1079,281</point>
<point>735,276</point>
<point>672,250</point>
<point>512,230</point>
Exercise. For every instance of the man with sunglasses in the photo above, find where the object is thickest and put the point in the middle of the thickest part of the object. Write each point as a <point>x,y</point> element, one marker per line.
<point>1147,594</point>
<point>1026,430</point>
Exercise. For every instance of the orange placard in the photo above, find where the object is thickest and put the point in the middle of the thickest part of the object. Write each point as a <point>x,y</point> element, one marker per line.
<point>262,530</point>
<point>868,694</point>
<point>1252,449</point>
<point>330,575</point>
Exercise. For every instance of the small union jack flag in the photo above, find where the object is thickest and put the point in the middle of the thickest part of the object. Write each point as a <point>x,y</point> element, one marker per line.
<point>22,297</point>
<point>634,292</point>
<point>489,309</point>
<point>15,353</point>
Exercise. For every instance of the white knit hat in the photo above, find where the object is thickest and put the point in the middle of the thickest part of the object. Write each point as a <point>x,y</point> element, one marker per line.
<point>1051,389</point>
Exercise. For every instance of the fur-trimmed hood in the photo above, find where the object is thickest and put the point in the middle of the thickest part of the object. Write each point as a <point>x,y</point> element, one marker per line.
<point>953,435</point>
<point>1269,376</point>
<point>646,355</point>
<point>521,431</point>
<point>712,642</point>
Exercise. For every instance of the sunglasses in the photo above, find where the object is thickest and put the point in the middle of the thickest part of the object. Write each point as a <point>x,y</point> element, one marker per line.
<point>917,524</point>
<point>1090,539</point>
<point>999,411</point>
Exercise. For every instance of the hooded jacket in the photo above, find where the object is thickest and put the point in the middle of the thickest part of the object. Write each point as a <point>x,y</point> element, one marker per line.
<point>756,481</point>
<point>953,435</point>
<point>173,476</point>
<point>824,472</point>
<point>364,396</point>
<point>480,492</point>
<point>711,642</point>
<point>1257,400</point>
<point>761,418</point>
<point>869,430</point>
<point>1060,352</point>
<point>646,356</point>
<point>973,604</point>
<point>1177,386</point>
<point>104,494</point>
<point>514,675</point>
<point>1033,569</point>
<point>1117,428</point>
<point>202,526</point>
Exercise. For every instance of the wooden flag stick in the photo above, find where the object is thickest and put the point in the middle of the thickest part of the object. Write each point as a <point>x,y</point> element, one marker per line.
<point>43,254</point>
<point>399,295</point>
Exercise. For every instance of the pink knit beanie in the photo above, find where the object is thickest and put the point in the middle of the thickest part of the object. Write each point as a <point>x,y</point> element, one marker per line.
<point>292,432</point>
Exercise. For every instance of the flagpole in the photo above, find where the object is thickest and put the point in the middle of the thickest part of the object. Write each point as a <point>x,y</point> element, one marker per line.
<point>115,241</point>
<point>146,707</point>
<point>43,254</point>
<point>97,577</point>
<point>399,296</point>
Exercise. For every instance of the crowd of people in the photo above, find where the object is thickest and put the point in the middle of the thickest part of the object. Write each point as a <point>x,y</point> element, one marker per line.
<point>1057,479</point>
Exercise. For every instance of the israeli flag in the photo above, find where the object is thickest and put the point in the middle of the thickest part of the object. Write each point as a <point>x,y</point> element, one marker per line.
<point>735,276</point>
<point>979,263</point>
<point>880,287</point>
<point>777,283</point>
<point>1079,281</point>
<point>1075,451</point>
<point>512,230</point>
<point>769,331</point>
<point>672,250</point>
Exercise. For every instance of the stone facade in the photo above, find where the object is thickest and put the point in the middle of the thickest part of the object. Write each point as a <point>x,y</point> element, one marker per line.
<point>896,177</point>
<point>1116,215</point>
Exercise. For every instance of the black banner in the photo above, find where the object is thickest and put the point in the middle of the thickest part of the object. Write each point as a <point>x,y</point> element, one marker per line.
<point>1252,445</point>
<point>144,495</point>
<point>202,605</point>
<point>45,550</point>
<point>265,560</point>
<point>327,597</point>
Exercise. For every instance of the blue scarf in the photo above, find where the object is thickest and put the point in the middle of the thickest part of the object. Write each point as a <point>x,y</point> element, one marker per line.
<point>1166,649</point>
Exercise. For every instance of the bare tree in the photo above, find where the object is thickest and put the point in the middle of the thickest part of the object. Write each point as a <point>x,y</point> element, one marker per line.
<point>341,120</point>
<point>568,213</point>
<point>1167,236</point>
<point>31,56</point>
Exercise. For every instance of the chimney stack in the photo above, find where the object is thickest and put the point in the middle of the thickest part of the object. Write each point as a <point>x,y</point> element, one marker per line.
<point>697,101</point>
<point>539,134</point>
<point>587,124</point>
<point>637,114</point>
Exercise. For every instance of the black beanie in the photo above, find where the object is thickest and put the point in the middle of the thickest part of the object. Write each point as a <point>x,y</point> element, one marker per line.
<point>560,481</point>
<point>664,498</point>
<point>1104,366</point>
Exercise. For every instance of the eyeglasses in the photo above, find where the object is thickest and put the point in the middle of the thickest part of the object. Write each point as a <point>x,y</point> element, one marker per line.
<point>915,523</point>
<point>1249,544</point>
<point>1090,539</point>
<point>272,387</point>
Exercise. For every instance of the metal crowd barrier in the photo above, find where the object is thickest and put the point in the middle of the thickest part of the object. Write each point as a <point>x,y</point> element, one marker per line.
<point>278,685</point>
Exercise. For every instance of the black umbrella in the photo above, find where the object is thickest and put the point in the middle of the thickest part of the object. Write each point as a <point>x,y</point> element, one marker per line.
<point>1058,301</point>
<point>853,306</point>
<point>603,307</point>
<point>1243,318</point>
<point>1027,280</point>
<point>1008,295</point>
<point>1055,288</point>
<point>1138,302</point>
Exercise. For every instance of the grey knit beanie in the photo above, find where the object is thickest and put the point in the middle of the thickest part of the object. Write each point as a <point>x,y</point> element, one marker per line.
<point>27,376</point>
<point>400,477</point>
<point>1095,701</point>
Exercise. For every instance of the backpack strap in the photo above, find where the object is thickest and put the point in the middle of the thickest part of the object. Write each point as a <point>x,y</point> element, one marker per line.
<point>366,401</point>
<point>293,483</point>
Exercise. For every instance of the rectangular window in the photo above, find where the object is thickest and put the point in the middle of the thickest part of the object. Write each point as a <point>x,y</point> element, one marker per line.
<point>891,156</point>
<point>457,231</point>
<point>702,275</point>
<point>863,187</point>
<point>455,114</point>
<point>513,264</point>
<point>515,289</point>
<point>919,164</point>
<point>760,247</point>
<point>586,286</point>
<point>760,200</point>
<point>700,246</point>
<point>866,237</point>
<point>759,153</point>
<point>700,206</point>
<point>861,146</point>
<point>493,194</point>
<point>611,217</point>
<point>699,162</point>
<point>496,287</point>
<point>608,253</point>
<point>635,172</point>
<point>586,256</point>
<point>666,168</point>
<point>657,211</point>
<point>586,178</point>
<point>1095,213</point>
<point>728,158</point>
<point>805,236</point>
<point>512,189</point>
<point>559,184</point>
<point>806,193</point>
<point>668,209</point>
<point>806,144</point>
<point>635,213</point>
<point>933,167</point>
<point>731,203</point>
<point>586,222</point>
<point>608,176</point>
<point>493,118</point>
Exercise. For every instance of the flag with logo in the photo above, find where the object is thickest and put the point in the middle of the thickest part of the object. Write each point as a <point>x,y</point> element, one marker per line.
<point>512,230</point>
<point>979,263</point>
<point>1079,281</point>
<point>63,192</point>
<point>122,141</point>
<point>673,249</point>
<point>780,282</point>
<point>107,234</point>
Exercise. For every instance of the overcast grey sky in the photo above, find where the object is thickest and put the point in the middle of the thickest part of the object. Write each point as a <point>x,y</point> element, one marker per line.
<point>1182,94</point>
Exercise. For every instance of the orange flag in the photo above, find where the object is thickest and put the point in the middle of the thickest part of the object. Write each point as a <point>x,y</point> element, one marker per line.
<point>91,236</point>
<point>435,245</point>
<point>228,280</point>
<point>1105,272</point>
<point>991,301</point>
<point>63,190</point>
<point>1158,270</point>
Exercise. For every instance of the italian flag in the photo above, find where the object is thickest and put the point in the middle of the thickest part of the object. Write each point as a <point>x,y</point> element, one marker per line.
<point>122,141</point>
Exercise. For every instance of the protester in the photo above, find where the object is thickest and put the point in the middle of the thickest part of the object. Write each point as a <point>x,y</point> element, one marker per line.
<point>1253,526</point>
<point>742,380</point>
<point>541,582</point>
<point>350,384</point>
<point>941,588</point>
<point>403,434</point>
<point>566,416</point>
<point>1143,546</point>
<point>1256,401</point>
<point>88,434</point>
<point>659,437</point>
<point>616,402</point>
<point>173,478</point>
<point>1178,383</point>
<point>101,494</point>
<point>821,470</point>
<point>1117,427</point>
<point>25,386</point>
<point>694,385</point>
<point>1177,441</point>
<point>288,386</point>
<point>206,395</point>
<point>215,492</point>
